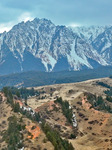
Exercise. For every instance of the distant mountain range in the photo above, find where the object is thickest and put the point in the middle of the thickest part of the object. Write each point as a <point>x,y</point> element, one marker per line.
<point>39,45</point>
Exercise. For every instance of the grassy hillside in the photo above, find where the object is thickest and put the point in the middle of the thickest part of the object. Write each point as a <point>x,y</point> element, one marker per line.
<point>57,108</point>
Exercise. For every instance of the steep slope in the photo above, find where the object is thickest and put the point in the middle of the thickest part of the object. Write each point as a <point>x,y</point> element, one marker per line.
<point>89,33</point>
<point>100,38</point>
<point>6,113</point>
<point>42,46</point>
<point>103,44</point>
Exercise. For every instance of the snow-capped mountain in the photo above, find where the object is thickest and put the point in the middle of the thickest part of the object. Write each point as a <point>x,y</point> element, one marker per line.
<point>89,33</point>
<point>40,45</point>
<point>103,44</point>
<point>99,37</point>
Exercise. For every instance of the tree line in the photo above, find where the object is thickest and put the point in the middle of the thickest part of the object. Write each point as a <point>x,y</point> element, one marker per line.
<point>65,109</point>
<point>54,137</point>
<point>98,102</point>
<point>13,135</point>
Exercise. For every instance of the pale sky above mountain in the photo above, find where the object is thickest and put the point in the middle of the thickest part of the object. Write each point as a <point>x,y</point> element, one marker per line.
<point>60,12</point>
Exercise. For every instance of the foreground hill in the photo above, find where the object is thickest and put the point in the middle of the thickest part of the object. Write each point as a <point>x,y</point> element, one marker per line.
<point>79,112</point>
<point>31,128</point>
<point>94,124</point>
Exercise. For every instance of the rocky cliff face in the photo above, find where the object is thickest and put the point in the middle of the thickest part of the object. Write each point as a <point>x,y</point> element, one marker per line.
<point>100,38</point>
<point>40,45</point>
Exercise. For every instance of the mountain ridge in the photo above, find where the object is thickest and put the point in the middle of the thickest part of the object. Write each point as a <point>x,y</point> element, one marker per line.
<point>42,46</point>
<point>99,38</point>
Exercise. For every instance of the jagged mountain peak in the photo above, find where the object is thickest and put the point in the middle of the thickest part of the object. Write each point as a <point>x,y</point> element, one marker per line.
<point>41,45</point>
<point>32,24</point>
<point>37,20</point>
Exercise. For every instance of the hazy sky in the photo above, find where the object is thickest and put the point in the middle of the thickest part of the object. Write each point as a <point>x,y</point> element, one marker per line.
<point>60,12</point>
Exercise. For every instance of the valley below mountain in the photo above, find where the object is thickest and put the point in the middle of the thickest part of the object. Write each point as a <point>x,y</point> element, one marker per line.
<point>35,78</point>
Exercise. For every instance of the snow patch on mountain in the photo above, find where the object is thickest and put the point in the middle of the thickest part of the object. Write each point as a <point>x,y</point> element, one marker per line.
<point>47,59</point>
<point>75,60</point>
<point>107,45</point>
